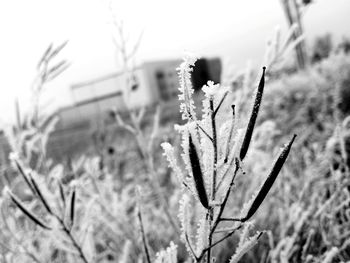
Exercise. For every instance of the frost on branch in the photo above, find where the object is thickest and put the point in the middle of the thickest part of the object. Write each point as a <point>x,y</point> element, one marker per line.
<point>202,234</point>
<point>184,214</point>
<point>186,90</point>
<point>211,89</point>
<point>169,153</point>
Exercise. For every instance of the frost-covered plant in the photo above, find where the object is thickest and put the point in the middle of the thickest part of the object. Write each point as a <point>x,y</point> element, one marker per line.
<point>213,155</point>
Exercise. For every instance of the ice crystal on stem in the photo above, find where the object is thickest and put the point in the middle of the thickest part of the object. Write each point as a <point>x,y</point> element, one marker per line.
<point>168,255</point>
<point>186,90</point>
<point>170,155</point>
<point>211,89</point>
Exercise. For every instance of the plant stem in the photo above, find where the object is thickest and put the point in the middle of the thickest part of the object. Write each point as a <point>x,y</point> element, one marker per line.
<point>213,184</point>
<point>72,239</point>
<point>144,238</point>
<point>75,244</point>
<point>224,237</point>
<point>213,224</point>
<point>223,205</point>
<point>218,241</point>
<point>213,124</point>
<point>191,248</point>
<point>220,103</point>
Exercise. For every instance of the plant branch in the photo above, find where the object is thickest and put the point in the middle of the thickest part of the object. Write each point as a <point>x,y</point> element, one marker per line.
<point>215,159</point>
<point>206,134</point>
<point>219,241</point>
<point>224,237</point>
<point>213,183</point>
<point>231,219</point>
<point>142,230</point>
<point>74,242</point>
<point>220,103</point>
<point>223,205</point>
<point>190,246</point>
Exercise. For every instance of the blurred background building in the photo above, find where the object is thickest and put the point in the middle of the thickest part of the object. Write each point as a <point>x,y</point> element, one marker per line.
<point>151,83</point>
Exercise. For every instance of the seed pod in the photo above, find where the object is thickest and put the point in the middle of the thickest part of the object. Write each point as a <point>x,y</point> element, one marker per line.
<point>253,116</point>
<point>269,181</point>
<point>57,50</point>
<point>232,126</point>
<point>27,212</point>
<point>72,207</point>
<point>21,171</point>
<point>40,195</point>
<point>61,191</point>
<point>197,174</point>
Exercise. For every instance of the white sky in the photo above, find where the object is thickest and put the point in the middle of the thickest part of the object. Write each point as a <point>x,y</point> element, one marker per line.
<point>236,30</point>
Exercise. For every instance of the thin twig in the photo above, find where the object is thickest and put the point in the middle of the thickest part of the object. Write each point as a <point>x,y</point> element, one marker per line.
<point>219,241</point>
<point>74,242</point>
<point>190,246</point>
<point>224,237</point>
<point>220,103</point>
<point>222,207</point>
<point>224,230</point>
<point>231,219</point>
<point>213,183</point>
<point>215,159</point>
<point>206,134</point>
<point>144,238</point>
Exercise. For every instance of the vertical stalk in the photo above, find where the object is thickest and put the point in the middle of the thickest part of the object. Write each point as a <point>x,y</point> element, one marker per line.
<point>68,233</point>
<point>213,185</point>
<point>142,230</point>
<point>74,242</point>
<point>215,159</point>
